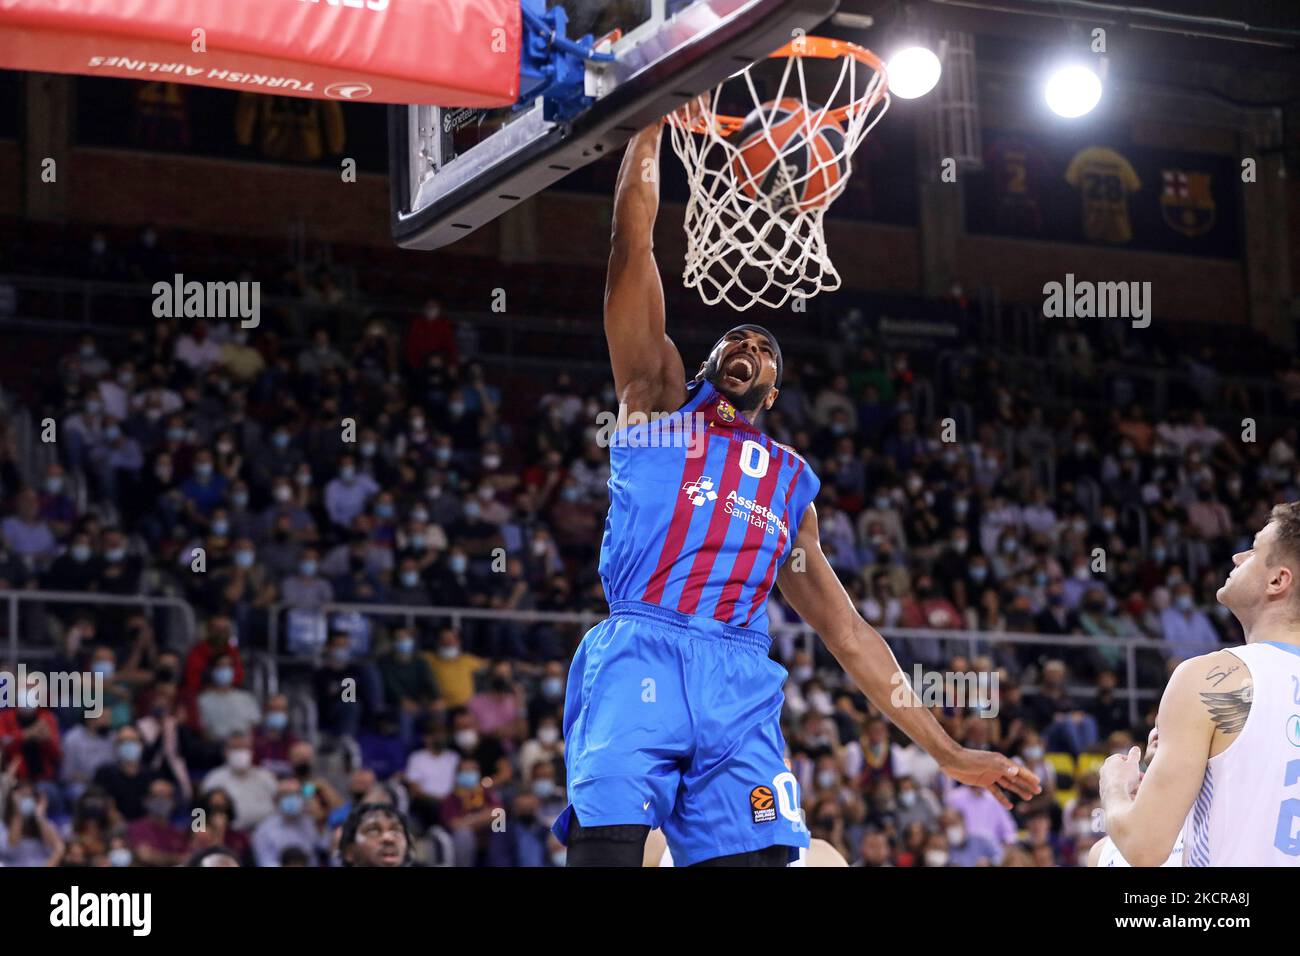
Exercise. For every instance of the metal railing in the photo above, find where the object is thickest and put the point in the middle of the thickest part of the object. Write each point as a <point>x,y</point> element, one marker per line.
<point>976,643</point>
<point>33,649</point>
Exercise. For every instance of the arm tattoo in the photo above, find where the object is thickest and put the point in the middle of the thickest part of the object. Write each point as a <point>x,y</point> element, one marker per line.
<point>1218,675</point>
<point>1229,710</point>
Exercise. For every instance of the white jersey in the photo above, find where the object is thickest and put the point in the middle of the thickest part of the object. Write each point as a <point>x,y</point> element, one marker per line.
<point>1248,810</point>
<point>1110,855</point>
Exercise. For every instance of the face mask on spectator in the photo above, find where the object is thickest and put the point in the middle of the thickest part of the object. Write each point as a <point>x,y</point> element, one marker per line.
<point>960,545</point>
<point>383,510</point>
<point>827,779</point>
<point>347,473</point>
<point>907,797</point>
<point>54,485</point>
<point>307,568</point>
<point>1158,555</point>
<point>979,572</point>
<point>1009,546</point>
<point>544,788</point>
<point>368,449</point>
<point>882,502</point>
<point>340,655</point>
<point>552,687</point>
<point>458,563</point>
<point>956,835</point>
<point>225,448</point>
<point>410,579</point>
<point>303,478</point>
<point>491,462</point>
<point>1033,753</point>
<point>130,751</point>
<point>571,493</point>
<point>466,739</point>
<point>291,804</point>
<point>80,553</point>
<point>472,510</point>
<point>467,779</point>
<point>115,554</point>
<point>104,667</point>
<point>448,652</point>
<point>240,759</point>
<point>27,806</point>
<point>244,558</point>
<point>280,440</point>
<point>455,409</point>
<point>158,807</point>
<point>442,455</point>
<point>548,735</point>
<point>936,857</point>
<point>802,673</point>
<point>1183,602</point>
<point>277,720</point>
<point>221,527</point>
<point>405,645</point>
<point>239,499</point>
<point>119,856</point>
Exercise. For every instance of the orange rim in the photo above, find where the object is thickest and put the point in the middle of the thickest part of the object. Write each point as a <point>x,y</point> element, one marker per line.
<point>821,48</point>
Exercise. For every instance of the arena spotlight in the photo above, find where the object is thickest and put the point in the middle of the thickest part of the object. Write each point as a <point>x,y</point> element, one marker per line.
<point>913,71</point>
<point>1072,91</point>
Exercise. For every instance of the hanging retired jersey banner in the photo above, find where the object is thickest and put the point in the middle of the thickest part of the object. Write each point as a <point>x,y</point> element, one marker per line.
<point>1105,191</point>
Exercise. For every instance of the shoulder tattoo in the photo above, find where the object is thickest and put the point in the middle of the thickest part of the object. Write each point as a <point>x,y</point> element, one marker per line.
<point>1229,709</point>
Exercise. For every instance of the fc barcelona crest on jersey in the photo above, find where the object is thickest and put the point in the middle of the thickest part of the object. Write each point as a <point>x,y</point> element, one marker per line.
<point>726,411</point>
<point>1187,204</point>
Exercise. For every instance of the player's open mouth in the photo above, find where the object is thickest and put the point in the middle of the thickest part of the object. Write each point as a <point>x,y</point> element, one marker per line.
<point>739,369</point>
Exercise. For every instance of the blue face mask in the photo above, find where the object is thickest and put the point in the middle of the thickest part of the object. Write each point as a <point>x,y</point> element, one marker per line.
<point>80,553</point>
<point>405,646</point>
<point>544,788</point>
<point>130,751</point>
<point>458,565</point>
<point>291,804</point>
<point>103,667</point>
<point>307,568</point>
<point>553,687</point>
<point>119,856</point>
<point>410,578</point>
<point>223,676</point>
<point>467,779</point>
<point>27,806</point>
<point>979,573</point>
<point>277,720</point>
<point>244,558</point>
<point>383,511</point>
<point>221,528</point>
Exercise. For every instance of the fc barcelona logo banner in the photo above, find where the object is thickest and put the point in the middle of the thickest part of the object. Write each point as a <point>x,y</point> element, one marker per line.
<point>1098,188</point>
<point>1187,203</point>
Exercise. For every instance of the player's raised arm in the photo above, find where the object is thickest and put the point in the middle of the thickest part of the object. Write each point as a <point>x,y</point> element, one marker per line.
<point>817,596</point>
<point>648,371</point>
<point>1204,692</point>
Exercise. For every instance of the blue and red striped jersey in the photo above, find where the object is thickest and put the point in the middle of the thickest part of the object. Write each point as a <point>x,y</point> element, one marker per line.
<point>703,510</point>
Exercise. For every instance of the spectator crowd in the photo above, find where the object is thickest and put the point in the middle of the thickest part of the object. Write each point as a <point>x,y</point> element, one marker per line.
<point>275,483</point>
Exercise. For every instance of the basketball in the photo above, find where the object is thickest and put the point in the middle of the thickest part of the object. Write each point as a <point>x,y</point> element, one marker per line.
<point>778,159</point>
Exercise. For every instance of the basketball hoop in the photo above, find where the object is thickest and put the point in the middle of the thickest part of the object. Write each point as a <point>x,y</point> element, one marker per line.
<point>754,221</point>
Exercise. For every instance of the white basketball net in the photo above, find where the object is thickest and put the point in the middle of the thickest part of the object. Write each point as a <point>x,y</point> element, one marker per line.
<point>765,248</point>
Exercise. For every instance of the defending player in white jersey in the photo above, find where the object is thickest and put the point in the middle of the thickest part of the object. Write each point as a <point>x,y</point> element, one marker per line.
<point>1105,853</point>
<point>1228,767</point>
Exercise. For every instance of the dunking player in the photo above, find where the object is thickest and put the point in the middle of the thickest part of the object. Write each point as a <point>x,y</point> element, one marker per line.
<point>672,708</point>
<point>1227,774</point>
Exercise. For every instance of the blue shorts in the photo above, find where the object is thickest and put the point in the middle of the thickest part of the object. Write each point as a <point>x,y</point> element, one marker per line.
<point>673,721</point>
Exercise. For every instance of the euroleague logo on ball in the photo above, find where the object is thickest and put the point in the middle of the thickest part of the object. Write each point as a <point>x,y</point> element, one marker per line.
<point>348,90</point>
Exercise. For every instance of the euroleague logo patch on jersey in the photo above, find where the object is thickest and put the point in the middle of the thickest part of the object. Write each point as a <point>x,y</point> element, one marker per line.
<point>726,411</point>
<point>1293,729</point>
<point>700,491</point>
<point>762,804</point>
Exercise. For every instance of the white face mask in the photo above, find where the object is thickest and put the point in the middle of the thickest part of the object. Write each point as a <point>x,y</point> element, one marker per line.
<point>240,759</point>
<point>548,735</point>
<point>936,857</point>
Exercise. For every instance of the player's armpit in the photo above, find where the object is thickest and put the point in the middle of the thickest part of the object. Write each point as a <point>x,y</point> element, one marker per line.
<point>1145,827</point>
